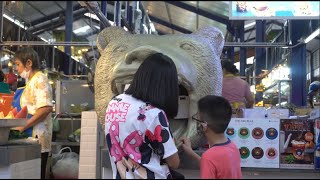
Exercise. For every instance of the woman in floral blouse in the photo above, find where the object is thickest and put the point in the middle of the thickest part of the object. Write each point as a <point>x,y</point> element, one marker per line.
<point>37,96</point>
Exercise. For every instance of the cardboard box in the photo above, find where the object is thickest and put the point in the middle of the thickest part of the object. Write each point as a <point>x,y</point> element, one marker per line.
<point>256,113</point>
<point>297,144</point>
<point>278,113</point>
<point>302,111</point>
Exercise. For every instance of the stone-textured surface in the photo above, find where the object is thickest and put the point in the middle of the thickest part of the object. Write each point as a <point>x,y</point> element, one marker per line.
<point>88,146</point>
<point>196,56</point>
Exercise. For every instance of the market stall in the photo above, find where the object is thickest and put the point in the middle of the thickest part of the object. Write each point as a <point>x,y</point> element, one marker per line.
<point>270,138</point>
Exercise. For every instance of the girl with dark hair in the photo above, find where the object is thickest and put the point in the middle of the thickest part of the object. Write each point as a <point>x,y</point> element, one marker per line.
<point>137,128</point>
<point>234,89</point>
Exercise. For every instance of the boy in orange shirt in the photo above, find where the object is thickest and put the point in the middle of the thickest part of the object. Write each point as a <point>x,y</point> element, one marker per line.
<point>222,159</point>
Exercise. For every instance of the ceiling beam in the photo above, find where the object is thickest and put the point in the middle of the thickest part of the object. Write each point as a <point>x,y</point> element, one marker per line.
<point>55,24</point>
<point>35,8</point>
<point>251,39</point>
<point>167,24</point>
<point>254,27</point>
<point>54,15</point>
<point>209,15</point>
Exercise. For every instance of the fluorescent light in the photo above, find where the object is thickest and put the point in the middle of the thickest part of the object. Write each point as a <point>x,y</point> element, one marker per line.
<point>82,29</point>
<point>43,39</point>
<point>249,25</point>
<point>313,35</point>
<point>74,58</point>
<point>153,29</point>
<point>5,57</point>
<point>111,22</point>
<point>93,16</point>
<point>145,28</point>
<point>15,21</point>
<point>250,60</point>
<point>237,64</point>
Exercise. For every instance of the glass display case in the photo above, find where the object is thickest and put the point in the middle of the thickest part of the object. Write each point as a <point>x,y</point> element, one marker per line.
<point>278,94</point>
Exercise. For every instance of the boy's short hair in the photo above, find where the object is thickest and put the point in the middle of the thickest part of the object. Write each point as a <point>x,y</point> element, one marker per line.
<point>217,112</point>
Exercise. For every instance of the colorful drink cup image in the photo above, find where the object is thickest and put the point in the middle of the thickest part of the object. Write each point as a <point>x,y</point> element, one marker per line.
<point>244,133</point>
<point>230,132</point>
<point>271,153</point>
<point>257,153</point>
<point>271,133</point>
<point>244,152</point>
<point>298,148</point>
<point>257,133</point>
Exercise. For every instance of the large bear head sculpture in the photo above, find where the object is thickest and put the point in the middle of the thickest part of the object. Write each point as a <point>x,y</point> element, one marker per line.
<point>196,56</point>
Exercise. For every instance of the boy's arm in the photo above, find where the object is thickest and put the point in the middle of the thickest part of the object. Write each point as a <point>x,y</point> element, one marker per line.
<point>186,146</point>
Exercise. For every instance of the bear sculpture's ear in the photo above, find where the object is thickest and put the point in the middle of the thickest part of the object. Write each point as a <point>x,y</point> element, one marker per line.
<point>214,35</point>
<point>109,34</point>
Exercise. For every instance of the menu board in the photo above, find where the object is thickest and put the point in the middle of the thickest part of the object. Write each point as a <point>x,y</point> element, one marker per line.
<point>297,144</point>
<point>257,141</point>
<point>274,10</point>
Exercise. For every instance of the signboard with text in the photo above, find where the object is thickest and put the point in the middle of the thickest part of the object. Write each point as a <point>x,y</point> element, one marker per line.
<point>257,141</point>
<point>244,10</point>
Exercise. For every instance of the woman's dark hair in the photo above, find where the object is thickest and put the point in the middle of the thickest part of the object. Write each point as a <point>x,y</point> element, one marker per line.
<point>156,82</point>
<point>1,76</point>
<point>28,53</point>
<point>229,67</point>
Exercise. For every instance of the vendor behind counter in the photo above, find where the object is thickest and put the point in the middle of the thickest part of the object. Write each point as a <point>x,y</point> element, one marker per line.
<point>313,91</point>
<point>37,96</point>
<point>4,87</point>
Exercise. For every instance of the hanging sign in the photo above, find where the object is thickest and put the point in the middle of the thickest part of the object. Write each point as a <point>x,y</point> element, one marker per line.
<point>244,10</point>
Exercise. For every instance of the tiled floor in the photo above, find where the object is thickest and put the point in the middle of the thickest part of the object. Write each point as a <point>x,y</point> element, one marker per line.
<point>250,174</point>
<point>263,174</point>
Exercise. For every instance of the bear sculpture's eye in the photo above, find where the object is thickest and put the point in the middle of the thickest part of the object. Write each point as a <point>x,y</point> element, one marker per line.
<point>187,46</point>
<point>120,48</point>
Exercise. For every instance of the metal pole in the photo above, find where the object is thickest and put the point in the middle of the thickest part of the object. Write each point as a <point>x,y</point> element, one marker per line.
<point>142,21</point>
<point>1,19</point>
<point>1,29</point>
<point>135,6</point>
<point>53,54</point>
<point>42,43</point>
<point>127,11</point>
<point>266,58</point>
<point>104,11</point>
<point>311,67</point>
<point>279,95</point>
<point>117,13</point>
<point>298,64</point>
<point>243,52</point>
<point>260,54</point>
<point>68,63</point>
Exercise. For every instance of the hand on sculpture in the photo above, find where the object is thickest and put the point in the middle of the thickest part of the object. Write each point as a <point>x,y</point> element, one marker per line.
<point>186,145</point>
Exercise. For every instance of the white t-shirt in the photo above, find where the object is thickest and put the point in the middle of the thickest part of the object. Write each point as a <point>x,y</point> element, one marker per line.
<point>138,139</point>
